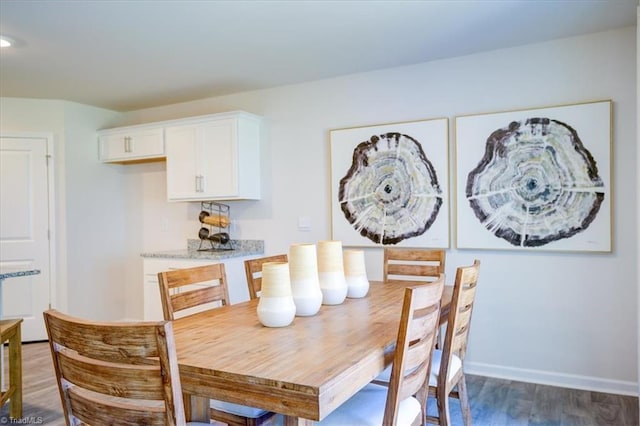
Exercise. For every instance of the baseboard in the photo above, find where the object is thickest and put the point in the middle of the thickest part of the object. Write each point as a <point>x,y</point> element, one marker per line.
<point>552,378</point>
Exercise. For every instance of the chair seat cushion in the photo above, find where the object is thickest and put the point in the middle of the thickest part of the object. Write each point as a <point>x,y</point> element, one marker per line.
<point>436,357</point>
<point>237,409</point>
<point>367,408</point>
<point>454,366</point>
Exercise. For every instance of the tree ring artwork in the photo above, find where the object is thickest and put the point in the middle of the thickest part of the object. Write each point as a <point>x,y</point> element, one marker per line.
<point>538,183</point>
<point>390,192</point>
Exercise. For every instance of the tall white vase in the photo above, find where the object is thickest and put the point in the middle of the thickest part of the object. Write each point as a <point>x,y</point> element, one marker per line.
<point>331,272</point>
<point>355,273</point>
<point>305,285</point>
<point>276,307</point>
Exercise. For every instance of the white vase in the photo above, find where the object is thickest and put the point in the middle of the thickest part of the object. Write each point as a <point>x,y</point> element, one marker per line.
<point>305,285</point>
<point>331,272</point>
<point>355,273</point>
<point>276,307</point>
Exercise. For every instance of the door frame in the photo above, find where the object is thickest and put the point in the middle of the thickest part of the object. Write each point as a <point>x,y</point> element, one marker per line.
<point>48,137</point>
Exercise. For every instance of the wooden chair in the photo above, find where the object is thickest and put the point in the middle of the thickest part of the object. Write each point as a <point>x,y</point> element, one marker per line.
<point>447,364</point>
<point>401,265</point>
<point>404,401</point>
<point>182,291</point>
<point>253,269</point>
<point>10,332</point>
<point>115,373</point>
<point>185,290</point>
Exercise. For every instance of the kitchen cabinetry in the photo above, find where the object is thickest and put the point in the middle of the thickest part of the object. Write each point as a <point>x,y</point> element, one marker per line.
<point>236,280</point>
<point>131,144</point>
<point>214,158</point>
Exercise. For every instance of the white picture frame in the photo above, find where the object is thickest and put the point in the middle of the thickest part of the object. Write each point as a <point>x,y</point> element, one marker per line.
<point>420,170</point>
<point>523,183</point>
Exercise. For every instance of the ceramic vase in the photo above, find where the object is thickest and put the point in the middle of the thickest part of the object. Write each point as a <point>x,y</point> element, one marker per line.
<point>355,273</point>
<point>331,272</point>
<point>276,307</point>
<point>305,285</point>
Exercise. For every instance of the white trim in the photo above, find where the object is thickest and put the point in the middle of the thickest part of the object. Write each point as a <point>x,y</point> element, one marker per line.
<point>48,136</point>
<point>571,381</point>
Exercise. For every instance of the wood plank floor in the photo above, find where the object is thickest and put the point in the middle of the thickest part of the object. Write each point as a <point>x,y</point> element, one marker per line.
<point>494,402</point>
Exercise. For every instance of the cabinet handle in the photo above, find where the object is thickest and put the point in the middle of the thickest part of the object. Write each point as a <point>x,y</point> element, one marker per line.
<point>202,184</point>
<point>127,144</point>
<point>199,183</point>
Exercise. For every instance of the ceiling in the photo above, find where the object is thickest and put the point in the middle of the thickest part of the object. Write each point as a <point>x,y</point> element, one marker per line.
<point>128,55</point>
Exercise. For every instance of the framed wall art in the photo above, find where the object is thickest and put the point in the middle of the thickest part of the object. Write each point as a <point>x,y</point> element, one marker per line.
<point>537,179</point>
<point>389,184</point>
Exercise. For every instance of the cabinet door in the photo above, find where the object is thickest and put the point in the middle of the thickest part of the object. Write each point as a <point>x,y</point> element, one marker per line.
<point>219,159</point>
<point>132,145</point>
<point>202,162</point>
<point>183,175</point>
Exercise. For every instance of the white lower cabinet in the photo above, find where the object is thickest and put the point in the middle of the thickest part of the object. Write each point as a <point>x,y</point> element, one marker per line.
<point>236,280</point>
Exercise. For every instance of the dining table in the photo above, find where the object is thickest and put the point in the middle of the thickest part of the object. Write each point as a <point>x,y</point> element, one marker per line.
<point>304,370</point>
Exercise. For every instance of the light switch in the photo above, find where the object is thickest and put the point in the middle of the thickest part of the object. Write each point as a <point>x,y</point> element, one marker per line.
<point>304,223</point>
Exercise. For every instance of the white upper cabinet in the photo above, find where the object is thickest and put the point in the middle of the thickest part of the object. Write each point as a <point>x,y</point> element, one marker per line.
<point>215,157</point>
<point>131,144</point>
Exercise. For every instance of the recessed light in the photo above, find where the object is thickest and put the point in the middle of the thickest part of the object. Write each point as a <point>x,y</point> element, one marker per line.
<point>6,41</point>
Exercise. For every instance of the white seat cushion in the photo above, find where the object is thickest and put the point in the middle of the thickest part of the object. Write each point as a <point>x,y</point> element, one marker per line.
<point>237,409</point>
<point>367,408</point>
<point>455,365</point>
<point>197,424</point>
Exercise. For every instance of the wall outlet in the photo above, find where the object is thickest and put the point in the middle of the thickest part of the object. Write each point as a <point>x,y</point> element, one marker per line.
<point>304,223</point>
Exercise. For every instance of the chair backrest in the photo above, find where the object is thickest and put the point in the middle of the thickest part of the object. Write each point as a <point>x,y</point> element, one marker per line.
<point>115,373</point>
<point>182,289</point>
<point>416,341</point>
<point>401,265</point>
<point>253,269</point>
<point>462,300</point>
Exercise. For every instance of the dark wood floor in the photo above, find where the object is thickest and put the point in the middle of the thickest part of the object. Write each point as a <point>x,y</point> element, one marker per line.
<point>494,402</point>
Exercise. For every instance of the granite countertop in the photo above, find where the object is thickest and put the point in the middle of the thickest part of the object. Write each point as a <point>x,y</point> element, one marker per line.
<point>19,274</point>
<point>240,248</point>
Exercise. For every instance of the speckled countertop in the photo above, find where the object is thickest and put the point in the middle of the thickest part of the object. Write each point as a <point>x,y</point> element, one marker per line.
<point>19,274</point>
<point>240,248</point>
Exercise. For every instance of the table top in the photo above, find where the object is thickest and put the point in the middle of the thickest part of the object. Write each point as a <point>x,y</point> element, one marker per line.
<point>304,370</point>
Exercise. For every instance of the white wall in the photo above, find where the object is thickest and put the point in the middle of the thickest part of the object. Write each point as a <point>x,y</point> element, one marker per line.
<point>89,204</point>
<point>563,318</point>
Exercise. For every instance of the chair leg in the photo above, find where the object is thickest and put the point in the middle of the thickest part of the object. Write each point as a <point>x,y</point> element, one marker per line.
<point>443,407</point>
<point>464,401</point>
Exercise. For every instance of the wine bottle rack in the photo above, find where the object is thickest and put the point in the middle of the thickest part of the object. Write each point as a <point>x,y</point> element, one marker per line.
<point>215,221</point>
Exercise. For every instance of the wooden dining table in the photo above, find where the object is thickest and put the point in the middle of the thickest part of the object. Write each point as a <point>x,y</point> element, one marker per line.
<point>303,371</point>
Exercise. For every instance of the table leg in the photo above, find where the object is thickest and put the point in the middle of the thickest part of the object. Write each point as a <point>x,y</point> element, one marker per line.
<point>199,409</point>
<point>15,374</point>
<point>297,421</point>
<point>1,344</point>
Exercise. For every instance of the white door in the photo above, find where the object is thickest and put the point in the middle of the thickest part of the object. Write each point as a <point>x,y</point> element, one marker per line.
<point>24,231</point>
